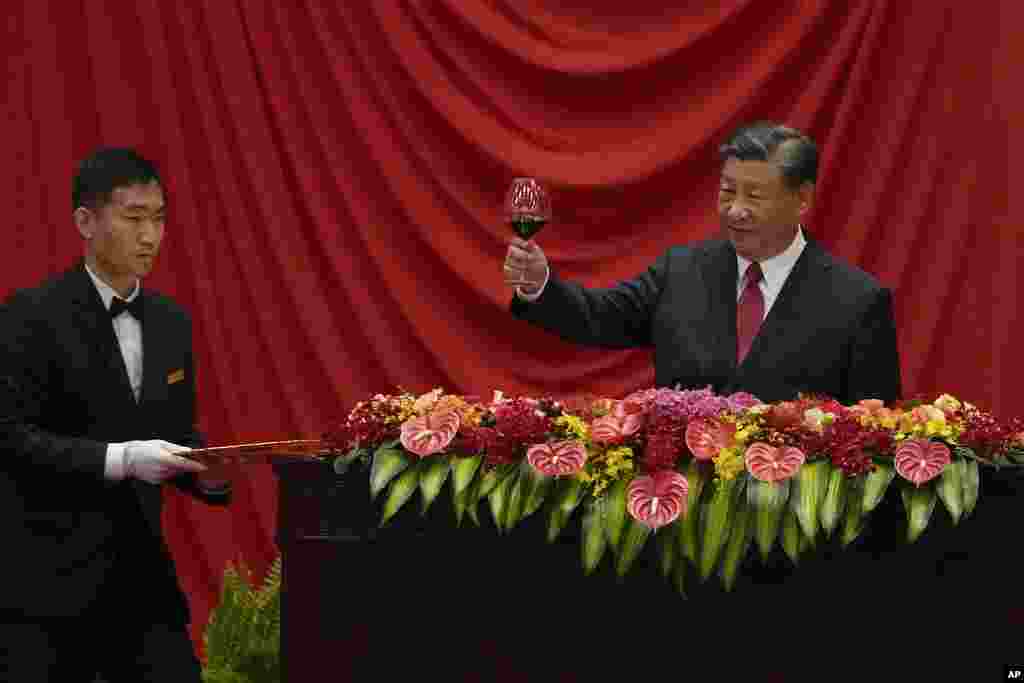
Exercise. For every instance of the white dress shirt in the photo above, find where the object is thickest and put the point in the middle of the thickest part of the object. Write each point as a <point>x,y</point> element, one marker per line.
<point>775,269</point>
<point>129,337</point>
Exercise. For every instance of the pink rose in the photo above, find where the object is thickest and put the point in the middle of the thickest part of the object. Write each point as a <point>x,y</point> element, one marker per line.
<point>867,406</point>
<point>425,403</point>
<point>925,414</point>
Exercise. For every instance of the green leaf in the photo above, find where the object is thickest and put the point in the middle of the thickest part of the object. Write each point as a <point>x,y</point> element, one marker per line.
<point>490,479</point>
<point>461,500</point>
<point>615,511</point>
<point>634,536</point>
<point>402,489</point>
<point>854,515</point>
<point>342,462</point>
<point>834,502</point>
<point>768,503</point>
<point>739,542</point>
<point>919,501</point>
<point>875,483</point>
<point>514,503</point>
<point>568,493</point>
<point>434,475</point>
<point>687,533</point>
<point>536,487</point>
<point>950,489</point>
<point>594,540</point>
<point>498,500</point>
<point>791,535</point>
<point>716,522</point>
<point>463,471</point>
<point>971,478</point>
<point>668,549</point>
<point>388,462</point>
<point>809,486</point>
<point>679,574</point>
<point>472,494</point>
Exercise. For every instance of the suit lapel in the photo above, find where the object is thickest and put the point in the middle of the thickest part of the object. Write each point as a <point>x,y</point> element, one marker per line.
<point>92,320</point>
<point>720,273</point>
<point>803,284</point>
<point>154,346</point>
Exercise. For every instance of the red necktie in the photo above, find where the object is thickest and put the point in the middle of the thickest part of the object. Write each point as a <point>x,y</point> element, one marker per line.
<point>749,312</point>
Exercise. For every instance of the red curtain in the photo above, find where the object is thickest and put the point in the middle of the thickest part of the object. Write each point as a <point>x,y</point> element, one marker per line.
<point>336,172</point>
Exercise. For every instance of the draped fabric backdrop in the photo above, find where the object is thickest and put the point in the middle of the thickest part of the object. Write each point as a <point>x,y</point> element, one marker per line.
<point>336,172</point>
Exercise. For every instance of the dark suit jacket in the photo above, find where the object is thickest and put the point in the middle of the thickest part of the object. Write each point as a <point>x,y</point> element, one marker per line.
<point>830,331</point>
<point>66,395</point>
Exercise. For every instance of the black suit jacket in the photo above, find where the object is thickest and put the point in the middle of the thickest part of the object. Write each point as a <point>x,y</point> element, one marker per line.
<point>831,330</point>
<point>66,396</point>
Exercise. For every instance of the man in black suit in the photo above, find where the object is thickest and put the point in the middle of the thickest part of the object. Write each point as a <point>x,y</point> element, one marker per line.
<point>97,374</point>
<point>762,309</point>
<point>805,322</point>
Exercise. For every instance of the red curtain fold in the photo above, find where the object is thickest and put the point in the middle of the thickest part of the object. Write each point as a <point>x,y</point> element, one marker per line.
<point>336,172</point>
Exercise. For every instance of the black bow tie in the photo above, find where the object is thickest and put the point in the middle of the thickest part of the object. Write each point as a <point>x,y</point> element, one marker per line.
<point>119,305</point>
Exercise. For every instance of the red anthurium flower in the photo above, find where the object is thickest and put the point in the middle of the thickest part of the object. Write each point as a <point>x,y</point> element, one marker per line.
<point>705,437</point>
<point>631,416</point>
<point>557,459</point>
<point>429,434</point>
<point>921,460</point>
<point>657,499</point>
<point>606,430</point>
<point>772,464</point>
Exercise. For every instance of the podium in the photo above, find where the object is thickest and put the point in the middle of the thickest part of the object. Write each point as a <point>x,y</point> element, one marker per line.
<point>469,604</point>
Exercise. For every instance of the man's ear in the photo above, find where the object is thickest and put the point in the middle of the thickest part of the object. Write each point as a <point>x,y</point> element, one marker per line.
<point>85,221</point>
<point>806,192</point>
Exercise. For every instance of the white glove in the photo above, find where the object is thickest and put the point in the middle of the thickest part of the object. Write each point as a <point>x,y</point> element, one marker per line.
<point>155,461</point>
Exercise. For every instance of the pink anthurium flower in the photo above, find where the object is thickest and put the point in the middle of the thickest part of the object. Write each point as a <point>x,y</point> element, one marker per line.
<point>631,415</point>
<point>429,434</point>
<point>625,420</point>
<point>657,499</point>
<point>705,437</point>
<point>772,464</point>
<point>921,460</point>
<point>557,459</point>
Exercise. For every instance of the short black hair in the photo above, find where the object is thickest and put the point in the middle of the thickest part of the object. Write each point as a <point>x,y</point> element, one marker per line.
<point>797,155</point>
<point>107,169</point>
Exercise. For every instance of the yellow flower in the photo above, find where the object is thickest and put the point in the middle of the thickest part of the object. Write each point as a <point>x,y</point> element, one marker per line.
<point>743,435</point>
<point>728,463</point>
<point>608,466</point>
<point>888,422</point>
<point>573,426</point>
<point>937,428</point>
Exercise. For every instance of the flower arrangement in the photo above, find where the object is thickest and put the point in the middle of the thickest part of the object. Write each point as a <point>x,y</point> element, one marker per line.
<point>711,476</point>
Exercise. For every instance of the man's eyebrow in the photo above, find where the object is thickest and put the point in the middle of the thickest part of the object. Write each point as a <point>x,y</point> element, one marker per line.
<point>143,207</point>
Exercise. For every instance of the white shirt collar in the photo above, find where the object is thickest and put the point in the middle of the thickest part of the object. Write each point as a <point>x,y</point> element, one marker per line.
<point>776,269</point>
<point>107,292</point>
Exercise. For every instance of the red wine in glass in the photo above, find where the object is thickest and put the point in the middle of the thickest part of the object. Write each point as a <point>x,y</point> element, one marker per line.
<point>527,226</point>
<point>527,207</point>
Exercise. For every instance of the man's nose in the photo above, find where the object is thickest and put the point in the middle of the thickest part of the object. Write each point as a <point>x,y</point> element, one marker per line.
<point>150,231</point>
<point>738,212</point>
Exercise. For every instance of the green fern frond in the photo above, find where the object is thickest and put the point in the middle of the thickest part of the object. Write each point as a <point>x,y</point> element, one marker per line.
<point>243,634</point>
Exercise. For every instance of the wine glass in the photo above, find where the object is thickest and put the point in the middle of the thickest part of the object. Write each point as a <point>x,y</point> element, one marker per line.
<point>527,207</point>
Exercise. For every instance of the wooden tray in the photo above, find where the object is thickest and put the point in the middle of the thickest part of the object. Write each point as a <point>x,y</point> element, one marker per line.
<point>260,452</point>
